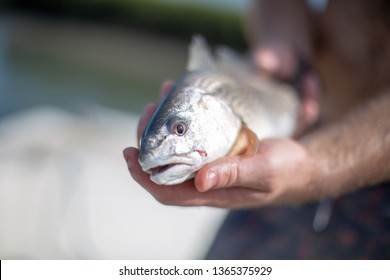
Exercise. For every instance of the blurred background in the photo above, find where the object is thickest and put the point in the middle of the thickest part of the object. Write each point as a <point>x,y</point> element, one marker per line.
<point>74,77</point>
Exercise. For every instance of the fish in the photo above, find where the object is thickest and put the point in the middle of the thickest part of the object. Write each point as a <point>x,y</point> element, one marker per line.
<point>218,107</point>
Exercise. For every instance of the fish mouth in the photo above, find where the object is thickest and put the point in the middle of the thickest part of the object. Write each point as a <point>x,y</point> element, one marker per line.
<point>171,173</point>
<point>152,165</point>
<point>174,170</point>
<point>160,169</point>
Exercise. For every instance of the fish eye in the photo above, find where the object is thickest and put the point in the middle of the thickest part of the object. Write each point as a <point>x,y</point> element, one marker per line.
<point>179,128</point>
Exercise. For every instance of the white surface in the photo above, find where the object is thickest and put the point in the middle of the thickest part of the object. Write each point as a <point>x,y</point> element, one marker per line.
<point>65,192</point>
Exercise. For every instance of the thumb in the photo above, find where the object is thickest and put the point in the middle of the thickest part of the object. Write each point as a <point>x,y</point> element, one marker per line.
<point>231,172</point>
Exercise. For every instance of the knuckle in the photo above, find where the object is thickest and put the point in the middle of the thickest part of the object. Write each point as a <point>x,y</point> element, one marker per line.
<point>234,174</point>
<point>267,176</point>
<point>229,174</point>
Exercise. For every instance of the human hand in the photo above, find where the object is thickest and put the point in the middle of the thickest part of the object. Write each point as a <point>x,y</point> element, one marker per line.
<point>279,172</point>
<point>279,61</point>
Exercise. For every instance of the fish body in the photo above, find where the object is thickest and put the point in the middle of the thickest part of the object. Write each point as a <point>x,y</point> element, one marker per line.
<point>213,105</point>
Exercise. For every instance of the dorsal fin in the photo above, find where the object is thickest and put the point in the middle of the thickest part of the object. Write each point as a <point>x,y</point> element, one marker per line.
<point>200,57</point>
<point>234,63</point>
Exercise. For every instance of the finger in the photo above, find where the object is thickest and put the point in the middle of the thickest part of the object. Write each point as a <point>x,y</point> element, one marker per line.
<point>311,92</point>
<point>165,88</point>
<point>145,118</point>
<point>276,60</point>
<point>309,111</point>
<point>230,172</point>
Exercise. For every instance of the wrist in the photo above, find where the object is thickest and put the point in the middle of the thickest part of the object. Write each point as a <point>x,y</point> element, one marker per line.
<point>323,181</point>
<point>310,185</point>
<point>298,178</point>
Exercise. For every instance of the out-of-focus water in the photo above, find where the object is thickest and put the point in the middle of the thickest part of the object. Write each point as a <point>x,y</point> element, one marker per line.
<point>69,64</point>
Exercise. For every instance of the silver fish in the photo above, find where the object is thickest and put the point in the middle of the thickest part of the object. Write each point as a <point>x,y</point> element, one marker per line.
<point>218,107</point>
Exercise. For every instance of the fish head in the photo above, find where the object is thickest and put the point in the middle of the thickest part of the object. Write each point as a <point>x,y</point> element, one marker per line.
<point>187,131</point>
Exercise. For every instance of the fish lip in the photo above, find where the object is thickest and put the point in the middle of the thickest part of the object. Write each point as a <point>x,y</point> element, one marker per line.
<point>153,167</point>
<point>175,174</point>
<point>159,171</point>
<point>162,168</point>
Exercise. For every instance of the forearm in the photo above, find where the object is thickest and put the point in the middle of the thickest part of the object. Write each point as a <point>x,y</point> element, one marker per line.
<point>354,152</point>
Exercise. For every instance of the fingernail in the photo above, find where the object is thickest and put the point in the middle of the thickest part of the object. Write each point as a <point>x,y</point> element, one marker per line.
<point>211,180</point>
